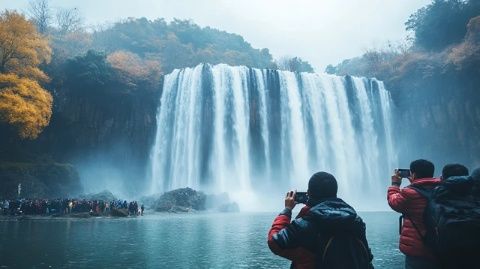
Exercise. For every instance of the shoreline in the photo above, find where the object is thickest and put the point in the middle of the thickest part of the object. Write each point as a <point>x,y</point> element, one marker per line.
<point>147,215</point>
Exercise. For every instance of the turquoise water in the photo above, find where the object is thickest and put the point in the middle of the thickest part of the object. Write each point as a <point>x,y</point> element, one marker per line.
<point>236,240</point>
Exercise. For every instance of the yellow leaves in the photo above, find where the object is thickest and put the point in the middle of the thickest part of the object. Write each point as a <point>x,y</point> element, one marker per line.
<point>22,48</point>
<point>24,104</point>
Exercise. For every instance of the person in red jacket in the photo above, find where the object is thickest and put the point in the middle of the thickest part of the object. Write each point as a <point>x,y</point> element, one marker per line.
<point>327,233</point>
<point>412,205</point>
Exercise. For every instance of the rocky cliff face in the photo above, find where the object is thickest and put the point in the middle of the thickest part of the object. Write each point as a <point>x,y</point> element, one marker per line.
<point>437,98</point>
<point>439,119</point>
<point>33,180</point>
<point>436,95</point>
<point>107,137</point>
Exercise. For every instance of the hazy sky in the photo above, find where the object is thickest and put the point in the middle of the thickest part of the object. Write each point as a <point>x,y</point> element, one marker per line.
<point>320,31</point>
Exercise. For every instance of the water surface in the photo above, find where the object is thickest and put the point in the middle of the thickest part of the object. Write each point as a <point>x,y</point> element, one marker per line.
<point>204,240</point>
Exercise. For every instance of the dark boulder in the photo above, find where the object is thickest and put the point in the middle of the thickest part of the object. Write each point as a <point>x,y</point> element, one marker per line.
<point>181,200</point>
<point>119,212</point>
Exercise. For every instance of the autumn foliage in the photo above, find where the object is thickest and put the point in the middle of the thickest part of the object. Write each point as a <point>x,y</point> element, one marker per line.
<point>22,48</point>
<point>132,67</point>
<point>24,104</point>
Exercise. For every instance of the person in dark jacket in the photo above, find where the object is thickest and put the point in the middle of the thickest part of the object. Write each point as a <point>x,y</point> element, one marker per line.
<point>454,170</point>
<point>412,205</point>
<point>327,233</point>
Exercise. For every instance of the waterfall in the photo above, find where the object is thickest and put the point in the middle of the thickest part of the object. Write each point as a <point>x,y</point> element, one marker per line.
<point>236,129</point>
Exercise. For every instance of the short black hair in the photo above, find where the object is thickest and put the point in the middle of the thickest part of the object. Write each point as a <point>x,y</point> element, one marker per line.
<point>454,169</point>
<point>322,185</point>
<point>422,168</point>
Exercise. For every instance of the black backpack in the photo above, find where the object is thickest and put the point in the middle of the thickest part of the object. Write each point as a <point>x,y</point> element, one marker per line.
<point>451,217</point>
<point>343,251</point>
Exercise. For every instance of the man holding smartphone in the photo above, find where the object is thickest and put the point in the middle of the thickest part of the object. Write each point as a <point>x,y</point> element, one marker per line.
<point>412,205</point>
<point>327,233</point>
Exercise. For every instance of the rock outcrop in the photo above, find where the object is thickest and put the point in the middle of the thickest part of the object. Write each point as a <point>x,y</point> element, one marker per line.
<point>181,200</point>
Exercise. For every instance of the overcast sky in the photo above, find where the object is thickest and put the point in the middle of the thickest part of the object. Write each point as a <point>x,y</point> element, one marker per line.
<point>320,31</point>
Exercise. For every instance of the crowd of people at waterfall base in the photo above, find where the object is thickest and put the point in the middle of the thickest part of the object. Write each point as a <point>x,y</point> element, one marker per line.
<point>19,207</point>
<point>439,225</point>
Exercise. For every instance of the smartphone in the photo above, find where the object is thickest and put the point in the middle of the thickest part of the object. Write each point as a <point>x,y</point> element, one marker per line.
<point>301,197</point>
<point>404,173</point>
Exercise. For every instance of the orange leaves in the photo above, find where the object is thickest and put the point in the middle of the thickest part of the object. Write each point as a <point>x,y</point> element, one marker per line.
<point>133,69</point>
<point>24,104</point>
<point>133,65</point>
<point>22,48</point>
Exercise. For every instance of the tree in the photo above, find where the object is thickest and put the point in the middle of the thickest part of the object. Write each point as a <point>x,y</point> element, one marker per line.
<point>68,20</point>
<point>179,44</point>
<point>24,104</point>
<point>89,74</point>
<point>132,67</point>
<point>294,64</point>
<point>442,23</point>
<point>40,14</point>
<point>22,49</point>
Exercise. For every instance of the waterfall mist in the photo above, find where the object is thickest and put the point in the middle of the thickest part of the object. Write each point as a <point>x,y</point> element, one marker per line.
<point>257,133</point>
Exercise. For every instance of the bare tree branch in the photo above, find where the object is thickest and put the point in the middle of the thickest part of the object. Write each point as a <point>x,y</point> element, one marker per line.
<point>39,12</point>
<point>68,20</point>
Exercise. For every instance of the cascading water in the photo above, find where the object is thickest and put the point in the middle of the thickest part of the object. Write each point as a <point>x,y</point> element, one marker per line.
<point>243,130</point>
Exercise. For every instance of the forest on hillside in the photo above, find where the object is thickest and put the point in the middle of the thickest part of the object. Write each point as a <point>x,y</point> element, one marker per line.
<point>434,79</point>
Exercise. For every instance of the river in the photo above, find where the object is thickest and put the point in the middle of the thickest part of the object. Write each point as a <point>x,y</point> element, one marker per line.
<point>203,240</point>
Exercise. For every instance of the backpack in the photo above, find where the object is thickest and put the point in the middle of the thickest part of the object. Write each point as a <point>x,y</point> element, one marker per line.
<point>343,251</point>
<point>451,218</point>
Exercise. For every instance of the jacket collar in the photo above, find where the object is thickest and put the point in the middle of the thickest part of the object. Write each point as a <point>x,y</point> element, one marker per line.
<point>313,202</point>
<point>425,181</point>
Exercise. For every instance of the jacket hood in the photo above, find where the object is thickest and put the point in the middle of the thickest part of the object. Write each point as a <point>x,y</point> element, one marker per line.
<point>333,211</point>
<point>460,185</point>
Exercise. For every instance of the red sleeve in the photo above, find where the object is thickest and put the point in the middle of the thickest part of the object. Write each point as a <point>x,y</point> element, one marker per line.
<point>397,199</point>
<point>280,222</point>
<point>298,254</point>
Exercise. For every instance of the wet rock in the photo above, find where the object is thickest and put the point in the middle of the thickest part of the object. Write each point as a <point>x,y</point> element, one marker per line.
<point>181,200</point>
<point>119,212</point>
